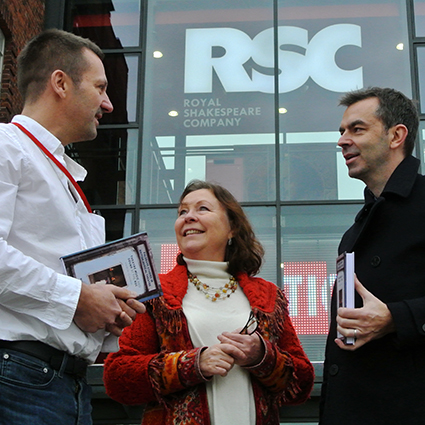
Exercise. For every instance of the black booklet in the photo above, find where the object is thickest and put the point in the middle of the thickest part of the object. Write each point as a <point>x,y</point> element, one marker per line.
<point>345,286</point>
<point>126,262</point>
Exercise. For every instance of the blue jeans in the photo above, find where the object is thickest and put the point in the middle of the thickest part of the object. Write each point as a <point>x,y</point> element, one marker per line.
<point>32,393</point>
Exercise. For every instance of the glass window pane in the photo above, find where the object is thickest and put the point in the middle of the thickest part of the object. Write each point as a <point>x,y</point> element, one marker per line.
<point>419,12</point>
<point>112,24</point>
<point>313,168</point>
<point>420,52</point>
<point>122,72</point>
<point>118,223</point>
<point>325,50</point>
<point>421,154</point>
<point>169,163</point>
<point>263,221</point>
<point>310,239</point>
<point>204,116</point>
<point>159,225</point>
<point>111,161</point>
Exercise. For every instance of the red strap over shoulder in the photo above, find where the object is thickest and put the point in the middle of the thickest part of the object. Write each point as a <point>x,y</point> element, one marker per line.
<point>57,163</point>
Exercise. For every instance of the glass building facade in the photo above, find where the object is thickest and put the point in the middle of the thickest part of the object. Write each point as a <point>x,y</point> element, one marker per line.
<point>244,93</point>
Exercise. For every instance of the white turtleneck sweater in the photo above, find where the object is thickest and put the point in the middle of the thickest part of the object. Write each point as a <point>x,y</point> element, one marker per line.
<point>230,398</point>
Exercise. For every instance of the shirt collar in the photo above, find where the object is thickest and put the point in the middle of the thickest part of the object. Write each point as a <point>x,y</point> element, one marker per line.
<point>53,144</point>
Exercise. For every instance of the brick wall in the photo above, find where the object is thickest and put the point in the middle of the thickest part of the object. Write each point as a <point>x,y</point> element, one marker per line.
<point>20,20</point>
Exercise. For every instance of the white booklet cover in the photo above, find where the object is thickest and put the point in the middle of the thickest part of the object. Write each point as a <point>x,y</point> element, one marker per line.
<point>345,286</point>
<point>126,262</point>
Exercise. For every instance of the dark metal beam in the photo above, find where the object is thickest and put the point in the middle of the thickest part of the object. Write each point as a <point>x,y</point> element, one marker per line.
<point>54,14</point>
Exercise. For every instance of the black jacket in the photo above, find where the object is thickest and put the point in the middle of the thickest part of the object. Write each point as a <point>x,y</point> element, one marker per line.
<point>383,382</point>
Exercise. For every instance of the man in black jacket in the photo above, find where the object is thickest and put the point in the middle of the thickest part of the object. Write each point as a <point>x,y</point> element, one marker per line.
<point>381,378</point>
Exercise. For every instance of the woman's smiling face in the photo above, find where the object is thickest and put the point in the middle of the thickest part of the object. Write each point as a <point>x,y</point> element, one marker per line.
<point>202,226</point>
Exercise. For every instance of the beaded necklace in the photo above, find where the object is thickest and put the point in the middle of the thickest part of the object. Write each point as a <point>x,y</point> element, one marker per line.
<point>214,294</point>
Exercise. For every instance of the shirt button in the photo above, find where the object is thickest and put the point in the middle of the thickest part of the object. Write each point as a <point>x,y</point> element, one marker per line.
<point>376,261</point>
<point>333,370</point>
<point>5,356</point>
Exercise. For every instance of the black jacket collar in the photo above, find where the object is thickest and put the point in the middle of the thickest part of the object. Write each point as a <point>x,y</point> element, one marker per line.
<point>400,183</point>
<point>403,178</point>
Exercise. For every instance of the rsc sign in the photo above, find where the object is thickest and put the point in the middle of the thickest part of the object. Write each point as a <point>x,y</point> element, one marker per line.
<point>316,60</point>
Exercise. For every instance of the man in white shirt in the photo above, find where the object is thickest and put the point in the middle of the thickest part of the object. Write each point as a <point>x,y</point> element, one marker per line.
<point>51,325</point>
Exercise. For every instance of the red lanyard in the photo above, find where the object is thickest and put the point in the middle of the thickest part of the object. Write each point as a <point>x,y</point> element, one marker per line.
<point>61,167</point>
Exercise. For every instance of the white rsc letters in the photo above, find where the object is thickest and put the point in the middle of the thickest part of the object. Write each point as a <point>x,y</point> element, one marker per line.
<point>317,62</point>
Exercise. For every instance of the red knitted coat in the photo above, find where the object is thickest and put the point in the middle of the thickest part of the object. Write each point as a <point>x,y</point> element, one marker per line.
<point>157,363</point>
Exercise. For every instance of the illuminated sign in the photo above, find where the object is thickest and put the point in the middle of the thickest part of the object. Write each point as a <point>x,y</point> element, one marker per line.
<point>307,287</point>
<point>236,48</point>
<point>169,253</point>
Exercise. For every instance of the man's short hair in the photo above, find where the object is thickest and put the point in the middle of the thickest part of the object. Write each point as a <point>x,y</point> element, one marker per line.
<point>48,51</point>
<point>394,108</point>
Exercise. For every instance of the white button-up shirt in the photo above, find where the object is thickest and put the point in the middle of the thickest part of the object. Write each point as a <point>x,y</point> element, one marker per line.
<point>40,221</point>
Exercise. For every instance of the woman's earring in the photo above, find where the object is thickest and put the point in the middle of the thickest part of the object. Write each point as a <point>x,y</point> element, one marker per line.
<point>229,242</point>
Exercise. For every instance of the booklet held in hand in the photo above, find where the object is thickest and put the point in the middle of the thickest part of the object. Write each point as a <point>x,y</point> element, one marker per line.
<point>345,286</point>
<point>127,263</point>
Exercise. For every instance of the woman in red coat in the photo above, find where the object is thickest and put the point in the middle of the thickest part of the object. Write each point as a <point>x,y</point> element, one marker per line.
<point>190,358</point>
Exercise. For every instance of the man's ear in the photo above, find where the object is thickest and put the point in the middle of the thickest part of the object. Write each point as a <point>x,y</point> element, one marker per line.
<point>398,136</point>
<point>60,82</point>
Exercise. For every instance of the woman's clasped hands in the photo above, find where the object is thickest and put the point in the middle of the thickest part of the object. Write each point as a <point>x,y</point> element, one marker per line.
<point>234,348</point>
